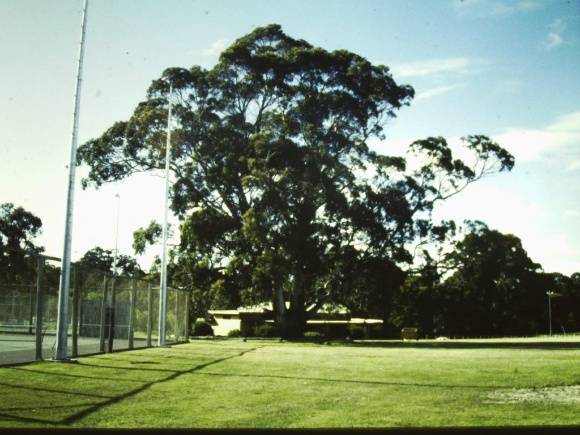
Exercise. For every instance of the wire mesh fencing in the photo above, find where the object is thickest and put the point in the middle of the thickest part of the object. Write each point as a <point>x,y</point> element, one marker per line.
<point>106,313</point>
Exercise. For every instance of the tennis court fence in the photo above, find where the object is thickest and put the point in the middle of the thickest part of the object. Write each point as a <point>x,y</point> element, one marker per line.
<point>106,312</point>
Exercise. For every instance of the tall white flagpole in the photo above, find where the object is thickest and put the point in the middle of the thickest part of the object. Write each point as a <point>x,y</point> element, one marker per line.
<point>163,283</point>
<point>63,295</point>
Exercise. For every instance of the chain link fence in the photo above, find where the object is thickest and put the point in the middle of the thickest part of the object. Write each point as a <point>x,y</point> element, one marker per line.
<point>106,313</point>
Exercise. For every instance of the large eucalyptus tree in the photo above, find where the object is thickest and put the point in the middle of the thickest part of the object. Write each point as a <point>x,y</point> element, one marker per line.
<point>275,184</point>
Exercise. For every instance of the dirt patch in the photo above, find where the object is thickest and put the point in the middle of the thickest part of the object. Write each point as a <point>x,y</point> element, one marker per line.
<point>567,394</point>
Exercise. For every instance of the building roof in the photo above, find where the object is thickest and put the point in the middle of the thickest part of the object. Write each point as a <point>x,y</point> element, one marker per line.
<point>223,312</point>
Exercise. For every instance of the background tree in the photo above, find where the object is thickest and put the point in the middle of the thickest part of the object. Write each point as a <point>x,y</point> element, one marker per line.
<point>566,306</point>
<point>275,183</point>
<point>18,229</point>
<point>103,259</point>
<point>418,302</point>
<point>495,289</point>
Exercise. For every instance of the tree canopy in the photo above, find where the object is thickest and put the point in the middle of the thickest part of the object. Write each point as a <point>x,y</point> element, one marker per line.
<point>485,285</point>
<point>18,229</point>
<point>279,194</point>
<point>104,259</point>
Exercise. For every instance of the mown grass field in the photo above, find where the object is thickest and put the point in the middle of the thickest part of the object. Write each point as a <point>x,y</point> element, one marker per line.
<point>268,384</point>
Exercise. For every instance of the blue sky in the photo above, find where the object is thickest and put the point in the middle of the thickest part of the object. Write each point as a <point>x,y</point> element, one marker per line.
<point>508,69</point>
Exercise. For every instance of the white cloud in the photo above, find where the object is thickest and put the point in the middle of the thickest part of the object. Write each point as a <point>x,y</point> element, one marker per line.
<point>554,38</point>
<point>435,92</point>
<point>573,166</point>
<point>558,25</point>
<point>505,210</point>
<point>572,213</point>
<point>510,86</point>
<point>548,235</point>
<point>526,144</point>
<point>216,47</point>
<point>530,144</point>
<point>495,8</point>
<point>552,41</point>
<point>457,65</point>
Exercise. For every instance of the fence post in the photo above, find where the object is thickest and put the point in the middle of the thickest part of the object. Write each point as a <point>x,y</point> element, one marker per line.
<point>39,305</point>
<point>176,328</point>
<point>31,313</point>
<point>112,316</point>
<point>75,310</point>
<point>187,319</point>
<point>149,313</point>
<point>132,313</point>
<point>103,315</point>
<point>13,307</point>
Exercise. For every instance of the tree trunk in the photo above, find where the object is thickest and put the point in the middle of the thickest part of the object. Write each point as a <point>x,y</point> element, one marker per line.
<point>279,306</point>
<point>295,322</point>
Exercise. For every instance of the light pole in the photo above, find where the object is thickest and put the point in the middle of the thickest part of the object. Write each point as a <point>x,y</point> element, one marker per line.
<point>111,340</point>
<point>163,278</point>
<point>62,316</point>
<point>116,234</point>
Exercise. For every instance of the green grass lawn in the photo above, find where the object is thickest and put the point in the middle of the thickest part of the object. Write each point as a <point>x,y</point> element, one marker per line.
<point>265,384</point>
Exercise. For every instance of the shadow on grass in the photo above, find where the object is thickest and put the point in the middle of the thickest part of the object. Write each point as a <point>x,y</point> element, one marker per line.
<point>353,381</point>
<point>452,344</point>
<point>70,375</point>
<point>91,408</point>
<point>50,390</point>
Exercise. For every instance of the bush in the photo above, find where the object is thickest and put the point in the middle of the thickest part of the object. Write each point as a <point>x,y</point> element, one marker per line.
<point>201,327</point>
<point>234,333</point>
<point>336,332</point>
<point>376,331</point>
<point>265,330</point>
<point>356,332</point>
<point>313,334</point>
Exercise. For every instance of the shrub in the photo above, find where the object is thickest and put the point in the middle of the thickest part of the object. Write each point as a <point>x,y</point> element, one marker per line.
<point>313,334</point>
<point>265,330</point>
<point>377,331</point>
<point>234,333</point>
<point>336,332</point>
<point>356,331</point>
<point>201,327</point>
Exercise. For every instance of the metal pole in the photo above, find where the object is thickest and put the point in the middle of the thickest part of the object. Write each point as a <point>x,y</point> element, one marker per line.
<point>39,305</point>
<point>177,331</point>
<point>103,316</point>
<point>187,320</point>
<point>31,306</point>
<point>149,313</point>
<point>130,335</point>
<point>163,280</point>
<point>114,281</point>
<point>62,319</point>
<point>116,254</point>
<point>75,311</point>
<point>112,315</point>
<point>550,311</point>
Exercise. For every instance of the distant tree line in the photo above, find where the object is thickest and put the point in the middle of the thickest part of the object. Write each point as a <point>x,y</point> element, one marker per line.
<point>486,286</point>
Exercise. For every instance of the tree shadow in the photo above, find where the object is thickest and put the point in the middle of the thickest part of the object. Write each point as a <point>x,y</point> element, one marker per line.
<point>50,390</point>
<point>109,400</point>
<point>70,375</point>
<point>137,358</point>
<point>540,345</point>
<point>139,369</point>
<point>354,381</point>
<point>75,417</point>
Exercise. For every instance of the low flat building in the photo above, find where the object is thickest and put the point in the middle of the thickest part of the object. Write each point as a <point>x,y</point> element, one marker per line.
<point>329,319</point>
